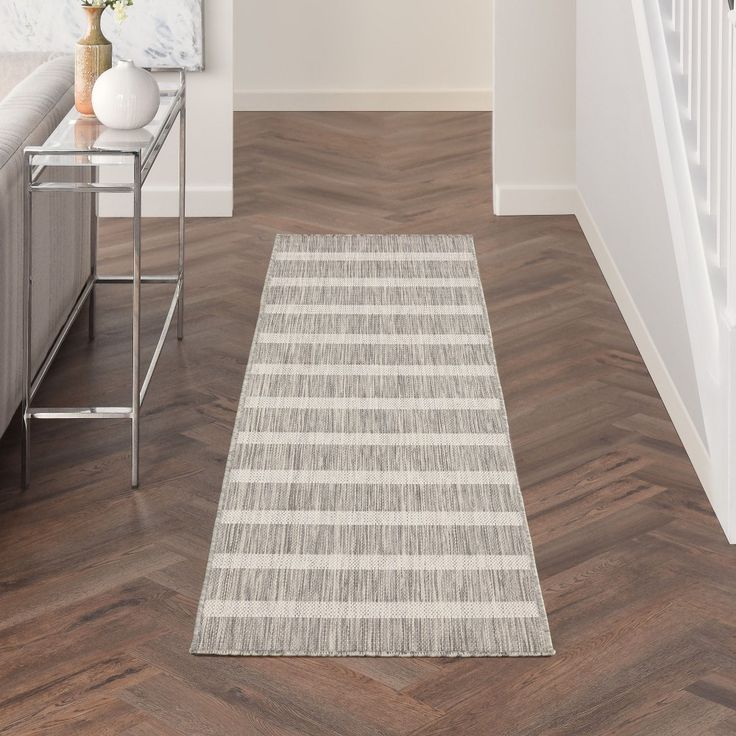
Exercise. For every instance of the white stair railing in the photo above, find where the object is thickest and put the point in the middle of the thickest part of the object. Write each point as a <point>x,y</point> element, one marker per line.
<point>687,49</point>
<point>700,40</point>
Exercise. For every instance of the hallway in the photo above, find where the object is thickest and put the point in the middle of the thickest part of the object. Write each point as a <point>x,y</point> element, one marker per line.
<point>102,582</point>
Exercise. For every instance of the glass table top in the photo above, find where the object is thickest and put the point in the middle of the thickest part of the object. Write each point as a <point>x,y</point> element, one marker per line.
<point>83,136</point>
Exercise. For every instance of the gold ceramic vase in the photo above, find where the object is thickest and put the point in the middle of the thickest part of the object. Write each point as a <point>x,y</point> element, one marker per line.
<point>92,57</point>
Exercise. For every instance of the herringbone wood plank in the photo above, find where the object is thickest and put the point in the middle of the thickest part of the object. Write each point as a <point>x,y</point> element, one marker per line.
<point>100,583</point>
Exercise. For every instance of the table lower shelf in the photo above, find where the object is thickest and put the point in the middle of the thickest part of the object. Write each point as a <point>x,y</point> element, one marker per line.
<point>104,412</point>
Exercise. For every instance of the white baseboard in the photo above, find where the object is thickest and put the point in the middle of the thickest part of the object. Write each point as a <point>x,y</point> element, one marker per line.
<point>272,100</point>
<point>161,201</point>
<point>545,199</point>
<point>678,412</point>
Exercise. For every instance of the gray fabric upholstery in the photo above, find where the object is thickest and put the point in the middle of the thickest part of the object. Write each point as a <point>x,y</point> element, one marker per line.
<point>28,114</point>
<point>16,66</point>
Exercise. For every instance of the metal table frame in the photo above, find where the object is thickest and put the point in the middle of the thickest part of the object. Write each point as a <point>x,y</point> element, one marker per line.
<point>142,165</point>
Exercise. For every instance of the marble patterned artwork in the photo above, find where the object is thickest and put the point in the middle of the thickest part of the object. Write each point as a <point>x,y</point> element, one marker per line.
<point>158,33</point>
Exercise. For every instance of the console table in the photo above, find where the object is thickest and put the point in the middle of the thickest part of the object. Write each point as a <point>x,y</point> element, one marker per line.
<point>85,143</point>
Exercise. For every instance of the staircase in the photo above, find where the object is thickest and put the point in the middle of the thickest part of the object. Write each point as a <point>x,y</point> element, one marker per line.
<point>687,50</point>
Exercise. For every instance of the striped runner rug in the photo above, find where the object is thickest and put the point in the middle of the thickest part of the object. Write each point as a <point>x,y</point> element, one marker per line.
<point>370,504</point>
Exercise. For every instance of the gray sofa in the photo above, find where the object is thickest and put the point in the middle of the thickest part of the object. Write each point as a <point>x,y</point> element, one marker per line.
<point>36,92</point>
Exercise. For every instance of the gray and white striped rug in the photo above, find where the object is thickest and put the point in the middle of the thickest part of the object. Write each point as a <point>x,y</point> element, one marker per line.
<point>370,504</point>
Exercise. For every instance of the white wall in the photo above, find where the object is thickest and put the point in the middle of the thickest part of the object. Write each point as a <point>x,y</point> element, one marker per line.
<point>363,54</point>
<point>534,107</point>
<point>209,132</point>
<point>572,133</point>
<point>623,208</point>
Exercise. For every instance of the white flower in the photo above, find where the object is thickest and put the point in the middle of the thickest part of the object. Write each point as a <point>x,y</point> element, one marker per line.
<point>119,6</point>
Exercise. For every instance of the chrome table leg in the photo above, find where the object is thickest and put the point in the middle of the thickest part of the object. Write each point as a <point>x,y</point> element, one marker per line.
<point>136,402</point>
<point>27,321</point>
<point>92,252</point>
<point>182,210</point>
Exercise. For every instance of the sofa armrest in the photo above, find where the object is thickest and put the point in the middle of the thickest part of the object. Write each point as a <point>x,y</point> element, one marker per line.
<point>15,66</point>
<point>35,106</point>
<point>61,263</point>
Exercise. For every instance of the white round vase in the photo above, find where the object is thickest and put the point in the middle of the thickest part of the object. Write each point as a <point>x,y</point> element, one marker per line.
<point>125,97</point>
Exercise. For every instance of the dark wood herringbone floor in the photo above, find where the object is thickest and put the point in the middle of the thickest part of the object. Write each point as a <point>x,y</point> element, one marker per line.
<point>99,583</point>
